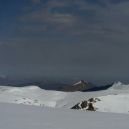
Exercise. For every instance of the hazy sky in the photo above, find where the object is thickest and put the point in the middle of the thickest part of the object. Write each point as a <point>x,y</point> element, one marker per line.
<point>65,38</point>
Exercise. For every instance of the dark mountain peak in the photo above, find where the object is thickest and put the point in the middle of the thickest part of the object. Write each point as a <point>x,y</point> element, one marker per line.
<point>81,82</point>
<point>79,86</point>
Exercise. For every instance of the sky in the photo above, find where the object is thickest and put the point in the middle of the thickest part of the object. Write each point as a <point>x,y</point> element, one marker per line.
<point>81,39</point>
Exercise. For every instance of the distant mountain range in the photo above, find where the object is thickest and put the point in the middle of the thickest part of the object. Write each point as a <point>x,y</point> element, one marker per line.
<point>79,86</point>
<point>114,99</point>
<point>59,85</point>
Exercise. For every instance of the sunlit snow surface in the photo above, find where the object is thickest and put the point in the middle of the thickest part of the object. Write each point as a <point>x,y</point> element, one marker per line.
<point>118,103</point>
<point>51,109</point>
<point>115,99</point>
<point>14,116</point>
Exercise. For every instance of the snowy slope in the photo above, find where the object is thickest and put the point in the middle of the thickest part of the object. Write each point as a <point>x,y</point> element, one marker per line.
<point>118,103</point>
<point>29,117</point>
<point>112,100</point>
<point>31,95</point>
<point>120,86</point>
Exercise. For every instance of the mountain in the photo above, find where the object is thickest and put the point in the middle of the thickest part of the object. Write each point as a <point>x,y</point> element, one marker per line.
<point>79,86</point>
<point>120,86</point>
<point>99,88</point>
<point>47,84</point>
<point>42,83</point>
<point>110,100</point>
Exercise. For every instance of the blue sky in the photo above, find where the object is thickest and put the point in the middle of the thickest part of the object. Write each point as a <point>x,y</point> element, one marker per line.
<point>65,38</point>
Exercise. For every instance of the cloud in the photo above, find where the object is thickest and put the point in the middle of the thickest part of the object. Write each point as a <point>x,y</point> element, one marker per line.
<point>118,1</point>
<point>74,37</point>
<point>35,1</point>
<point>100,17</point>
<point>44,16</point>
<point>57,3</point>
<point>3,76</point>
<point>115,17</point>
<point>112,19</point>
<point>49,15</point>
<point>32,29</point>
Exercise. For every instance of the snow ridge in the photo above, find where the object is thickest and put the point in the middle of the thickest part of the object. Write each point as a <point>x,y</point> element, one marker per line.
<point>120,86</point>
<point>80,82</point>
<point>115,99</point>
<point>30,95</point>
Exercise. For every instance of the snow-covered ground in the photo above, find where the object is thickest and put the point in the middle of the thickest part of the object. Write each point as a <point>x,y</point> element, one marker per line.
<point>14,116</point>
<point>51,109</point>
<point>120,86</point>
<point>31,95</point>
<point>115,99</point>
<point>118,103</point>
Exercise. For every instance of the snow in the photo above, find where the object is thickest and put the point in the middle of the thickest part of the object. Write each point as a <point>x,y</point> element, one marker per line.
<point>31,95</point>
<point>120,86</point>
<point>112,100</point>
<point>51,109</point>
<point>118,103</point>
<point>29,117</point>
<point>80,82</point>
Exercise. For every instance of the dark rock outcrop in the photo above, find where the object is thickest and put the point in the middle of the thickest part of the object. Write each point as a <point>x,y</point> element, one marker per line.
<point>79,86</point>
<point>86,105</point>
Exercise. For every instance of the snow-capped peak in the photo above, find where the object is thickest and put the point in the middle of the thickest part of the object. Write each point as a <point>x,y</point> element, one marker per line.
<point>118,83</point>
<point>120,86</point>
<point>80,82</point>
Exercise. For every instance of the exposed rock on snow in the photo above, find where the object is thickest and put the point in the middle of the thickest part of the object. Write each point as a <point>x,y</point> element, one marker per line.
<point>118,103</point>
<point>104,101</point>
<point>86,105</point>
